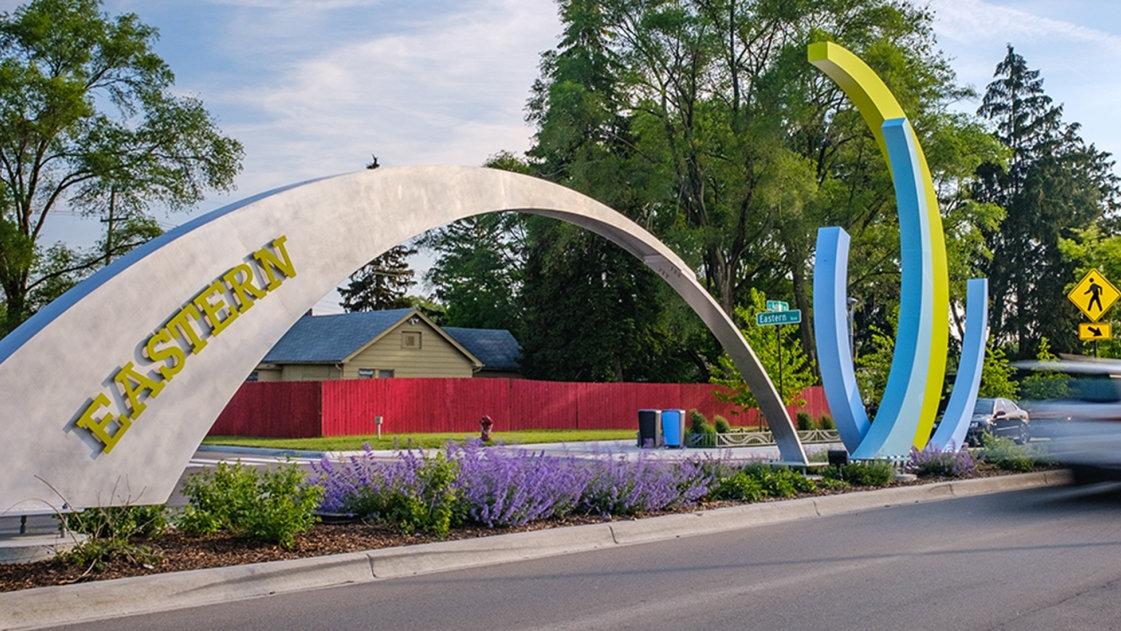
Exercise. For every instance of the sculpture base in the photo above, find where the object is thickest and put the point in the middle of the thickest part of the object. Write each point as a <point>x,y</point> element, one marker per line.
<point>31,548</point>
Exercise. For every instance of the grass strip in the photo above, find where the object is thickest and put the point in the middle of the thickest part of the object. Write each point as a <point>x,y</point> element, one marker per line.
<point>425,441</point>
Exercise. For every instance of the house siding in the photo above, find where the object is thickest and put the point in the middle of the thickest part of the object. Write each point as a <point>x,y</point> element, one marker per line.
<point>436,357</point>
<point>267,375</point>
<point>309,372</point>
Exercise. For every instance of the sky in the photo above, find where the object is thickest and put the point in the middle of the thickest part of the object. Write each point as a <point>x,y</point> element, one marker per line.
<point>315,87</point>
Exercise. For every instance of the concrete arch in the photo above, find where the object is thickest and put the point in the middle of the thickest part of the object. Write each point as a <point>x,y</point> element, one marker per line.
<point>115,354</point>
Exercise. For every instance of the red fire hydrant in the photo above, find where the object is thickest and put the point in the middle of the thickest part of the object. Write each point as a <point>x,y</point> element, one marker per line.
<point>484,427</point>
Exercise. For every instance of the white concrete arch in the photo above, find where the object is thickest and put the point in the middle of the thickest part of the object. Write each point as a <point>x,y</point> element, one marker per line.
<point>72,365</point>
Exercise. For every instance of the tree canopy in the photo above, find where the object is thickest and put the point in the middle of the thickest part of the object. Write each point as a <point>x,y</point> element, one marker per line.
<point>88,120</point>
<point>1053,187</point>
<point>702,121</point>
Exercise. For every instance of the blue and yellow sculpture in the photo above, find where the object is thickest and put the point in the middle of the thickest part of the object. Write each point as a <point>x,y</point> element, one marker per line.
<point>910,402</point>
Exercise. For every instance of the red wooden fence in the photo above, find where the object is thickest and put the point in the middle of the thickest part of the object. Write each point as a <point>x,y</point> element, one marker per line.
<point>301,409</point>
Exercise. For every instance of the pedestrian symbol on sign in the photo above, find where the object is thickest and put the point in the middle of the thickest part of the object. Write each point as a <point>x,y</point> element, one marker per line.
<point>1095,292</point>
<point>1094,295</point>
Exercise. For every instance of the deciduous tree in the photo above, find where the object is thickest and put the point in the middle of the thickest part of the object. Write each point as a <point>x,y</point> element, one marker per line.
<point>87,114</point>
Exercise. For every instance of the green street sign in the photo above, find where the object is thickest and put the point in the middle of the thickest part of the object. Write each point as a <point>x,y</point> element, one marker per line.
<point>774,318</point>
<point>777,305</point>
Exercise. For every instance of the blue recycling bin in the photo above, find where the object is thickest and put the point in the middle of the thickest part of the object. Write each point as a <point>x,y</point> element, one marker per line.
<point>673,428</point>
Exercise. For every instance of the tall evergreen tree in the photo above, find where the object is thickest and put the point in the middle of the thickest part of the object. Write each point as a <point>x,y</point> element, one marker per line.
<point>591,311</point>
<point>477,276</point>
<point>384,282</point>
<point>1053,186</point>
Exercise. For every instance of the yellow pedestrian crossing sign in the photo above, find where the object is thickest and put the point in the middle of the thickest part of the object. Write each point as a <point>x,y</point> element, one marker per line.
<point>1094,331</point>
<point>1094,295</point>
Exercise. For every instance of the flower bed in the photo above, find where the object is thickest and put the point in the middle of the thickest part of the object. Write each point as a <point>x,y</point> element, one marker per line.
<point>464,492</point>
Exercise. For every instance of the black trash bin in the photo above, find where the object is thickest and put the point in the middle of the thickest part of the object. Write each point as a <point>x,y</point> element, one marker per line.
<point>648,423</point>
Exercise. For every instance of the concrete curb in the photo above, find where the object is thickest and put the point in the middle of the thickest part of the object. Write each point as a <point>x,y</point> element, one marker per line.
<point>49,606</point>
<point>261,452</point>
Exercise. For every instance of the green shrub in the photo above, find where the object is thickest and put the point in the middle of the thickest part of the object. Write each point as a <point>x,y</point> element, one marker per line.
<point>1004,453</point>
<point>418,494</point>
<point>865,473</point>
<point>827,422</point>
<point>805,421</point>
<point>111,531</point>
<point>722,425</point>
<point>739,486</point>
<point>698,424</point>
<point>781,481</point>
<point>120,521</point>
<point>272,505</point>
<point>434,509</point>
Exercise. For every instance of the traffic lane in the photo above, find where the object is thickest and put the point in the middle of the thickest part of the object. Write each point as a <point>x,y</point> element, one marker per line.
<point>1019,560</point>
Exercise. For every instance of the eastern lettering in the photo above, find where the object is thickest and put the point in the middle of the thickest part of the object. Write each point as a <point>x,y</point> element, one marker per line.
<point>164,349</point>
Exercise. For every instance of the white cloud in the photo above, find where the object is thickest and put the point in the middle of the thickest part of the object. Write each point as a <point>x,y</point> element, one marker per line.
<point>1070,43</point>
<point>975,21</point>
<point>449,92</point>
<point>298,4</point>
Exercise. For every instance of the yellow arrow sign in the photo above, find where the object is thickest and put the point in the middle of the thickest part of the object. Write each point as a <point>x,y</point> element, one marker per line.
<point>1094,331</point>
<point>1094,295</point>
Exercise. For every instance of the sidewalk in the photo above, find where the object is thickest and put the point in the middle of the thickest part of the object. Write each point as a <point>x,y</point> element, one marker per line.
<point>592,449</point>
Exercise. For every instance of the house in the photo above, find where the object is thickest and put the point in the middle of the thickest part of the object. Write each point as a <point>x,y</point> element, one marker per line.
<point>382,344</point>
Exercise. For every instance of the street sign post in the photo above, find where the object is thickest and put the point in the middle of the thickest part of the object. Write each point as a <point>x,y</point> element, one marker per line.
<point>1094,295</point>
<point>777,314</point>
<point>775,318</point>
<point>1094,331</point>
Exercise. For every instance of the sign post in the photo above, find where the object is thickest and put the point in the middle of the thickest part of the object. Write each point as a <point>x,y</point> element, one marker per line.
<point>778,313</point>
<point>1094,295</point>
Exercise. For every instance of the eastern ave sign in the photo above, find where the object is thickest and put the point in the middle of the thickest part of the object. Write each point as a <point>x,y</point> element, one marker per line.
<point>774,318</point>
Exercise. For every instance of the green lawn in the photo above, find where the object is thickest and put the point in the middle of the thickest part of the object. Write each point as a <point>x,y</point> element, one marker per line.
<point>428,441</point>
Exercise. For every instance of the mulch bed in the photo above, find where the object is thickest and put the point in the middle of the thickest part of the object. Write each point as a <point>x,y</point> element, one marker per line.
<point>176,552</point>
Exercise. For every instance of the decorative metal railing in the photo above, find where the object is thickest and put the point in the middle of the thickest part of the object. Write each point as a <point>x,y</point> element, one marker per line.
<point>760,439</point>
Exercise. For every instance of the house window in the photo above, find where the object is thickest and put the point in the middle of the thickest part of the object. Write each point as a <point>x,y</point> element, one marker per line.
<point>385,374</point>
<point>410,340</point>
<point>365,373</point>
<point>253,376</point>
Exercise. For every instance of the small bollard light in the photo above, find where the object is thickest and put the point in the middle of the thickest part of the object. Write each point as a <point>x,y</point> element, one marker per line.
<point>377,421</point>
<point>484,428</point>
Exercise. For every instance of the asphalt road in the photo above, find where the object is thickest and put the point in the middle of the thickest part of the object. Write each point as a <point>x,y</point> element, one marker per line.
<point>1041,559</point>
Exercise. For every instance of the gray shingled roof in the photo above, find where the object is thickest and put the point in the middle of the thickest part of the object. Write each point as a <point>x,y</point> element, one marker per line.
<point>496,348</point>
<point>329,339</point>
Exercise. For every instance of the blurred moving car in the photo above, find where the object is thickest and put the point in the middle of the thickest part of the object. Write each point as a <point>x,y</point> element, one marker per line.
<point>1000,417</point>
<point>1082,426</point>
